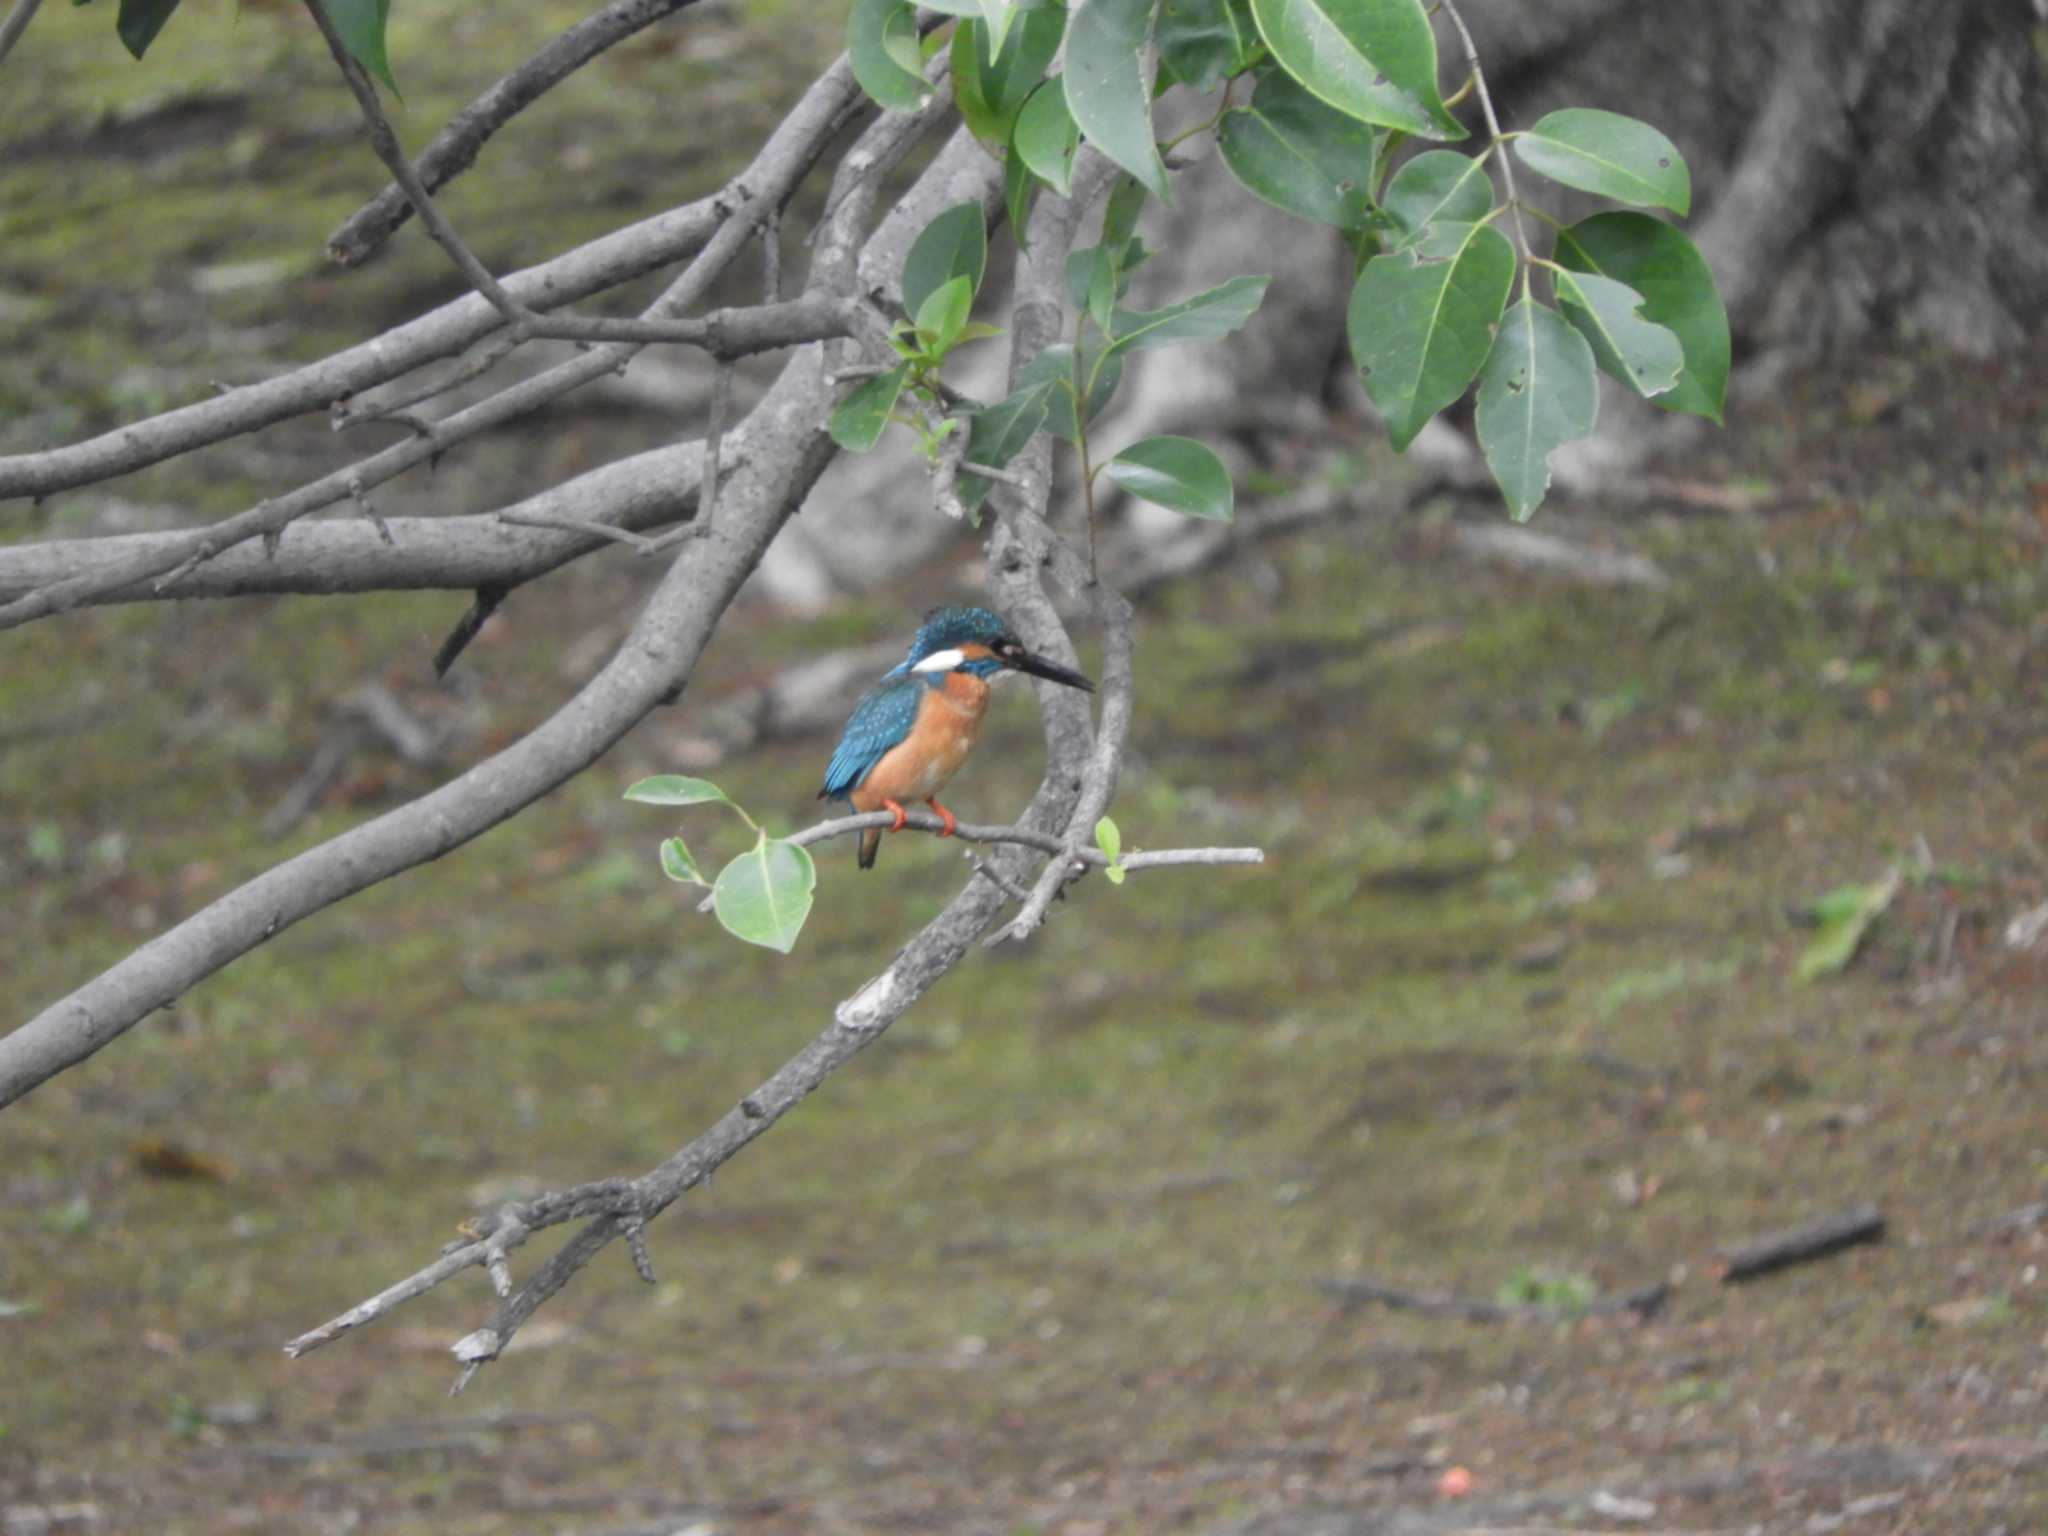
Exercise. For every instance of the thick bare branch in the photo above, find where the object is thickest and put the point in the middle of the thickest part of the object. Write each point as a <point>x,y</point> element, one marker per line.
<point>454,149</point>
<point>774,175</point>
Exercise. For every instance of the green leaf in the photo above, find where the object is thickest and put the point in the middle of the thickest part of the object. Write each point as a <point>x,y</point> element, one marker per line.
<point>677,864</point>
<point>1645,357</point>
<point>1059,417</point>
<point>882,45</point>
<point>1111,842</point>
<point>764,895</point>
<point>858,420</point>
<point>360,24</point>
<point>1607,153</point>
<point>1300,155</point>
<point>1177,473</point>
<point>955,244</point>
<point>1437,186</point>
<point>1106,88</point>
<point>1047,138</point>
<point>1845,915</point>
<point>1537,392</point>
<point>1661,264</point>
<point>1421,321</point>
<point>676,789</point>
<point>1375,59</point>
<point>1204,42</point>
<point>990,88</point>
<point>997,16</point>
<point>943,315</point>
<point>1204,317</point>
<point>141,20</point>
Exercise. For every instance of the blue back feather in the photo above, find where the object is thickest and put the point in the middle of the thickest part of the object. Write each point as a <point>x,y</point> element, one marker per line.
<point>879,721</point>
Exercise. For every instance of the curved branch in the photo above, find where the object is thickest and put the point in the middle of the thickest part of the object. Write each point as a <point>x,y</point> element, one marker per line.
<point>16,23</point>
<point>774,175</point>
<point>454,149</point>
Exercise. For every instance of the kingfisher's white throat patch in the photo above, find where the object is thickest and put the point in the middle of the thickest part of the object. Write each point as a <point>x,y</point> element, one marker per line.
<point>940,661</point>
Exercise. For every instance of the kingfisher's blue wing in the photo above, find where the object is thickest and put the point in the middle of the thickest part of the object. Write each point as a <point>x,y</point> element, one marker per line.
<point>879,721</point>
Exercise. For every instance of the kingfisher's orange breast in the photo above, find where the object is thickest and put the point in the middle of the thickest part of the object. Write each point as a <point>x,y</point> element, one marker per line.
<point>919,766</point>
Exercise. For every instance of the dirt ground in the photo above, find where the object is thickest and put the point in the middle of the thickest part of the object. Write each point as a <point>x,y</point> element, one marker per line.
<point>1513,1016</point>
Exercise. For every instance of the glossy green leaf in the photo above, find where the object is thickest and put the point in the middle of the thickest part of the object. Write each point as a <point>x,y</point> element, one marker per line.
<point>1107,89</point>
<point>882,46</point>
<point>676,789</point>
<point>1047,138</point>
<point>1375,59</point>
<point>1644,356</point>
<point>1607,153</point>
<point>1177,473</point>
<point>677,863</point>
<point>955,244</point>
<point>1300,154</point>
<point>989,87</point>
<point>1202,43</point>
<point>1661,264</point>
<point>360,25</point>
<point>140,20</point>
<point>764,895</point>
<point>1421,321</point>
<point>943,315</point>
<point>1204,317</point>
<point>1536,393</point>
<point>1438,186</point>
<point>858,420</point>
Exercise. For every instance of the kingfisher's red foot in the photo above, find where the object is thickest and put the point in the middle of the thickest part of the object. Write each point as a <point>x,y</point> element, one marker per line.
<point>902,816</point>
<point>951,822</point>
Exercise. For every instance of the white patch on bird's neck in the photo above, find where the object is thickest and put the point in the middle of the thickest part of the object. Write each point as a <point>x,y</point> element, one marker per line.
<point>940,661</point>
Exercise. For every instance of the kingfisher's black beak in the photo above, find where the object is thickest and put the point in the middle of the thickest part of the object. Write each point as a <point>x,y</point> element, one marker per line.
<point>1051,671</point>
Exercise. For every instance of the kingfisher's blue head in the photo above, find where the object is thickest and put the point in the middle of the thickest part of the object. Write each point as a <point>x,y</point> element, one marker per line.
<point>976,640</point>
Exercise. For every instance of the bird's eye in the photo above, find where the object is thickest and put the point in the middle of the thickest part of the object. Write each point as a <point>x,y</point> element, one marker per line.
<point>1006,648</point>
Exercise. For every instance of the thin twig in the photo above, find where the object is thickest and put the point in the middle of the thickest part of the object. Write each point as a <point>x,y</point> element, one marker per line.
<point>611,531</point>
<point>714,439</point>
<point>1507,169</point>
<point>1798,1245</point>
<point>16,23</point>
<point>454,149</point>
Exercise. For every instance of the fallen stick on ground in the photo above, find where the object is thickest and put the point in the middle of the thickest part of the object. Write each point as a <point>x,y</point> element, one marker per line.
<point>1643,1301</point>
<point>1796,1245</point>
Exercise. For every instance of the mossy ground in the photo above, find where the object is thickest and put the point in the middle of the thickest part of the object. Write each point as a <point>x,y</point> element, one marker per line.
<point>1044,1258</point>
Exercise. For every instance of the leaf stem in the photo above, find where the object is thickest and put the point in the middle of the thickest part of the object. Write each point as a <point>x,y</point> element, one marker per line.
<point>1507,169</point>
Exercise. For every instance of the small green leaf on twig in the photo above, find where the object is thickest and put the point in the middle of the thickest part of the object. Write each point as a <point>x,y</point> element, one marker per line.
<point>1111,842</point>
<point>955,244</point>
<point>676,789</point>
<point>1177,473</point>
<point>764,895</point>
<point>360,25</point>
<point>677,863</point>
<point>858,420</point>
<point>1845,915</point>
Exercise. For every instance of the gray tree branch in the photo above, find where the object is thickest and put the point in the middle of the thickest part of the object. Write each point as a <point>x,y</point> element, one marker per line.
<point>16,23</point>
<point>454,149</point>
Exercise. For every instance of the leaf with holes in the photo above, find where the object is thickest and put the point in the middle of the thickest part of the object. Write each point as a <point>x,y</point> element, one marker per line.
<point>764,895</point>
<point>1375,59</point>
<point>882,46</point>
<point>1300,154</point>
<point>1537,393</point>
<point>858,420</point>
<point>1644,356</point>
<point>1661,264</point>
<point>1177,473</point>
<point>1107,89</point>
<point>1421,321</point>
<point>1604,152</point>
<point>1438,186</point>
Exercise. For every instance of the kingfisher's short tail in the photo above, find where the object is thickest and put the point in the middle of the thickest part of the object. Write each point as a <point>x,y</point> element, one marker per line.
<point>870,845</point>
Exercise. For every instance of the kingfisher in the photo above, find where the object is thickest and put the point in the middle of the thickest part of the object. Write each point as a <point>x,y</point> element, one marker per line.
<point>910,733</point>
